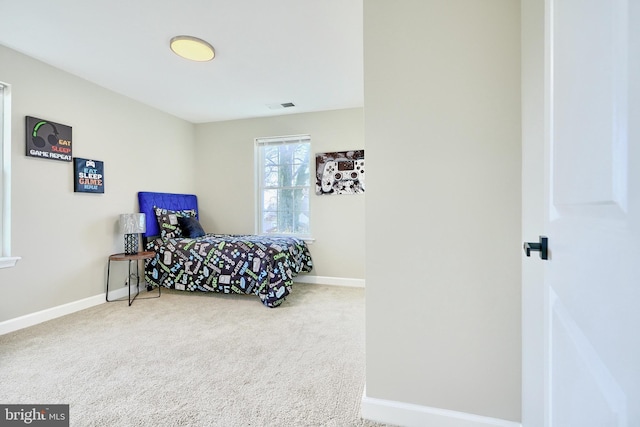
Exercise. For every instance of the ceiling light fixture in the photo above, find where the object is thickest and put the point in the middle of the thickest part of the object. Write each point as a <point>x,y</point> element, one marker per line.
<point>192,48</point>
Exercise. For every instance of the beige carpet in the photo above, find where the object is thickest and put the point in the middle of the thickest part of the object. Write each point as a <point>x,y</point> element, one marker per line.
<point>197,360</point>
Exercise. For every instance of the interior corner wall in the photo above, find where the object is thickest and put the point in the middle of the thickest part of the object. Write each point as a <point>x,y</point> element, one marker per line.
<point>226,183</point>
<point>443,225</point>
<point>63,237</point>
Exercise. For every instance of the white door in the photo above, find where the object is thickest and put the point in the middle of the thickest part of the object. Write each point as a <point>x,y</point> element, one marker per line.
<point>587,301</point>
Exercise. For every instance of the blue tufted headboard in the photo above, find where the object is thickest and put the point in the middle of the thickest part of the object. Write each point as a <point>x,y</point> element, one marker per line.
<point>147,200</point>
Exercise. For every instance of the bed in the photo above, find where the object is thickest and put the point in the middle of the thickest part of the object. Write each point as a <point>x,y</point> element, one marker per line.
<point>187,258</point>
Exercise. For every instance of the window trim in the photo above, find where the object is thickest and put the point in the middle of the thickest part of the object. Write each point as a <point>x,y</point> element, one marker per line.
<point>6,260</point>
<point>258,175</point>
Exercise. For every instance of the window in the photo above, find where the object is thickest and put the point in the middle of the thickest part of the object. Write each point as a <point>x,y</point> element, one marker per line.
<point>6,260</point>
<point>283,183</point>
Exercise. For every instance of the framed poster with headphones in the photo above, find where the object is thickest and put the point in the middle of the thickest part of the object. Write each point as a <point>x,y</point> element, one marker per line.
<point>48,140</point>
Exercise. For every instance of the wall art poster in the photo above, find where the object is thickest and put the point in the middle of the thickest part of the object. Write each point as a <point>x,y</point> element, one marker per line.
<point>340,172</point>
<point>48,140</point>
<point>88,176</point>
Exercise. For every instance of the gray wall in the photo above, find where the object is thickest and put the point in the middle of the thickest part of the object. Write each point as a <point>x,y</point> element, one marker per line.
<point>442,132</point>
<point>225,183</point>
<point>65,238</point>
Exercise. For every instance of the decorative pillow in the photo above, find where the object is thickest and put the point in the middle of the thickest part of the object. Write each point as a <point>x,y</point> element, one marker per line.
<point>168,222</point>
<point>190,226</point>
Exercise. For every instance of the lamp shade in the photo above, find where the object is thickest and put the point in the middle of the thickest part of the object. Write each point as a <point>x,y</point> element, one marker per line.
<point>132,223</point>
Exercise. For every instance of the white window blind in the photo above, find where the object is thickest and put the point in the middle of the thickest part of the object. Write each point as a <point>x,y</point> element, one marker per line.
<point>3,178</point>
<point>6,260</point>
<point>283,185</point>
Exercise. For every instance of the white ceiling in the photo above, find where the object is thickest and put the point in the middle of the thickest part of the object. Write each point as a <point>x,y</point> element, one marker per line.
<point>308,52</point>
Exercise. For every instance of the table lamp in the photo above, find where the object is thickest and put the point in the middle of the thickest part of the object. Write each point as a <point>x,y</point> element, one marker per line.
<point>131,225</point>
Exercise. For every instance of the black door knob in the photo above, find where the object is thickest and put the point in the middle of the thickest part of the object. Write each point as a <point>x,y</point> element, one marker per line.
<point>542,246</point>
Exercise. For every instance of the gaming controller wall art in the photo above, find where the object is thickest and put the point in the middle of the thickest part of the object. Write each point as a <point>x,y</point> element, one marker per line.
<point>340,172</point>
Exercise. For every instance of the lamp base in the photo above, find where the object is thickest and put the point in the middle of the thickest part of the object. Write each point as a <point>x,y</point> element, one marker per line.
<point>130,244</point>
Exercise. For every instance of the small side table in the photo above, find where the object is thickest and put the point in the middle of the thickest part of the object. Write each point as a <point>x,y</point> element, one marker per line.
<point>130,257</point>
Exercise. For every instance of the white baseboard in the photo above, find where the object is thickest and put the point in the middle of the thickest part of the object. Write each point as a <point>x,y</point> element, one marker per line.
<point>62,310</point>
<point>411,415</point>
<point>59,311</point>
<point>325,280</point>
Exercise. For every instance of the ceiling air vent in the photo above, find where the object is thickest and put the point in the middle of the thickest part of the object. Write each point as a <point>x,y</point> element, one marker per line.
<point>281,106</point>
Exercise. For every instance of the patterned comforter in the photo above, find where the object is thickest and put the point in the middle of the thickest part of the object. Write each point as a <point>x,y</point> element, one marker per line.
<point>245,264</point>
